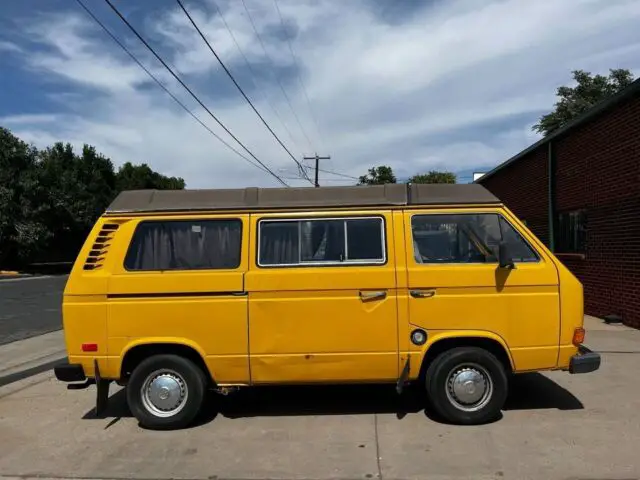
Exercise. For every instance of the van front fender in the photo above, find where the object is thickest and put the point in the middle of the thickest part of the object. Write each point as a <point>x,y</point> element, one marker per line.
<point>439,341</point>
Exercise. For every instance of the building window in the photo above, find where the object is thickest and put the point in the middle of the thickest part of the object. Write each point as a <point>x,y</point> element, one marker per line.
<point>185,245</point>
<point>321,242</point>
<point>571,232</point>
<point>466,238</point>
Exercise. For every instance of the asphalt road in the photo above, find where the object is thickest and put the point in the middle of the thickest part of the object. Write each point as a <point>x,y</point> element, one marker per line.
<point>30,306</point>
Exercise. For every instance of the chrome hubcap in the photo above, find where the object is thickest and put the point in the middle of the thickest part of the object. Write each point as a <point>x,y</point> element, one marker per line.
<point>469,387</point>
<point>164,393</point>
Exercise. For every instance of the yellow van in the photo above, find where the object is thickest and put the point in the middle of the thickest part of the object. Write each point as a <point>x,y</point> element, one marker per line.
<point>177,292</point>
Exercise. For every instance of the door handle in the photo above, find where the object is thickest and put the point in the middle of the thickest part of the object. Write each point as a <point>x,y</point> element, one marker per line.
<point>368,296</point>
<point>422,293</point>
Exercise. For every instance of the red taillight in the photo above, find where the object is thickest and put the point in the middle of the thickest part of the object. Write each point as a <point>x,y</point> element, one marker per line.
<point>578,336</point>
<point>89,347</point>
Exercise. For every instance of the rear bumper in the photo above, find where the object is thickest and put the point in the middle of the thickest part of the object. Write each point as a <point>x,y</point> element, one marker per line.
<point>585,361</point>
<point>67,372</point>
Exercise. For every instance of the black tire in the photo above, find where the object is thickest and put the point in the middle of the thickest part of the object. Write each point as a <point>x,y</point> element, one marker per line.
<point>180,371</point>
<point>474,361</point>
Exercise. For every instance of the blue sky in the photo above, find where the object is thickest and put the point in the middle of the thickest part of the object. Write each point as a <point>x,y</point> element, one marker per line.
<point>417,85</point>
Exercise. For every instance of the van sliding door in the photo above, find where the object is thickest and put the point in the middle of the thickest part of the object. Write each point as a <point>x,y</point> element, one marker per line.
<point>322,298</point>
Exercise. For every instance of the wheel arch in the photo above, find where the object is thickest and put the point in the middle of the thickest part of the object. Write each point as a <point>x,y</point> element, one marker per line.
<point>485,340</point>
<point>139,350</point>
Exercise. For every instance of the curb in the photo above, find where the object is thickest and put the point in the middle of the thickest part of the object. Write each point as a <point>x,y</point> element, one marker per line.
<point>6,275</point>
<point>28,357</point>
<point>30,372</point>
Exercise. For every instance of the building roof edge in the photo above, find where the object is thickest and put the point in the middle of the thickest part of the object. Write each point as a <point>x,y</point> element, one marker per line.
<point>600,108</point>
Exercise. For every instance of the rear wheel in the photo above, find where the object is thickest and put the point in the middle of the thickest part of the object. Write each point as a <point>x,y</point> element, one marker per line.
<point>166,392</point>
<point>467,385</point>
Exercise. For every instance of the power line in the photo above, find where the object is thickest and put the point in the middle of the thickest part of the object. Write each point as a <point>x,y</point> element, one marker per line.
<point>230,75</point>
<point>323,180</point>
<point>135,32</point>
<point>337,180</point>
<point>264,49</point>
<point>344,175</point>
<point>254,77</point>
<point>331,172</point>
<point>297,66</point>
<point>161,85</point>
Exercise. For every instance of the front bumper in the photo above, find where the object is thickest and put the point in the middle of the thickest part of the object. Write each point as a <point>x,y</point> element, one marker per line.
<point>67,372</point>
<point>585,361</point>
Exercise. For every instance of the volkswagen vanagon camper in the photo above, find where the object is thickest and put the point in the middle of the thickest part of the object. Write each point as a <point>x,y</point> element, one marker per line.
<point>177,292</point>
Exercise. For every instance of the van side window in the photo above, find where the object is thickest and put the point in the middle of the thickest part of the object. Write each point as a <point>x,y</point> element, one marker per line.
<point>321,241</point>
<point>466,238</point>
<point>364,239</point>
<point>519,248</point>
<point>185,245</point>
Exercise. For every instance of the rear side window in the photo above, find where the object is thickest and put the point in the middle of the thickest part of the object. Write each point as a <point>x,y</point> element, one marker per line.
<point>185,245</point>
<point>466,238</point>
<point>321,241</point>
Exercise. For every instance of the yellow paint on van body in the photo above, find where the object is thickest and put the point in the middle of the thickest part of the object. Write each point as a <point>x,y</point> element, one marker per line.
<point>319,324</point>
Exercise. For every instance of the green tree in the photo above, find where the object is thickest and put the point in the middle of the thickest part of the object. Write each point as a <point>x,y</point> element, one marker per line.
<point>20,233</point>
<point>378,176</point>
<point>77,189</point>
<point>434,177</point>
<point>140,177</point>
<point>573,101</point>
<point>50,199</point>
<point>97,175</point>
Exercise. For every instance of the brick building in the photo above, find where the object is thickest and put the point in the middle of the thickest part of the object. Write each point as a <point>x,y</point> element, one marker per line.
<point>578,190</point>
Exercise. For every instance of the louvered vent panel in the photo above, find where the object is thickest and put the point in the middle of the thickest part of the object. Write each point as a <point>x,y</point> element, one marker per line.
<point>98,252</point>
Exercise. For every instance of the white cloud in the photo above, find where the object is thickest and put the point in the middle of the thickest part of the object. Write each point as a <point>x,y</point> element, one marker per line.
<point>384,92</point>
<point>80,57</point>
<point>6,46</point>
<point>29,119</point>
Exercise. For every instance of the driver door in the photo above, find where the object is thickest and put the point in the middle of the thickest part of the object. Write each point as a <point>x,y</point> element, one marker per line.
<point>455,283</point>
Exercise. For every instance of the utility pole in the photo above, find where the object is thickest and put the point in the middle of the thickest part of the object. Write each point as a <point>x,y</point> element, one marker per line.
<point>317,158</point>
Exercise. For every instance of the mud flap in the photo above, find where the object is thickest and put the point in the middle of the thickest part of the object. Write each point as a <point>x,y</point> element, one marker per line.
<point>102,389</point>
<point>403,376</point>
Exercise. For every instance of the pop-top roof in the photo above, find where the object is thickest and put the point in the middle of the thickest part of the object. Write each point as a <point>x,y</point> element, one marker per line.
<point>148,201</point>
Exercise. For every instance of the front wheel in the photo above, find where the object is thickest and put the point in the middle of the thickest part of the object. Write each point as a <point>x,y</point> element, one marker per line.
<point>166,392</point>
<point>467,385</point>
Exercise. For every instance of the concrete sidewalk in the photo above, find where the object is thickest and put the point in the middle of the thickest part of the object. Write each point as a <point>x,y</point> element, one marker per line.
<point>29,357</point>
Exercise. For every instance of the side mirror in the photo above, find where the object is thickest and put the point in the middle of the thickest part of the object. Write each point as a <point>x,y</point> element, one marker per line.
<point>505,259</point>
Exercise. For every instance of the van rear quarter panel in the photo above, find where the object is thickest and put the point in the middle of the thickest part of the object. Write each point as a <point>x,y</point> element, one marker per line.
<point>84,309</point>
<point>203,309</point>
